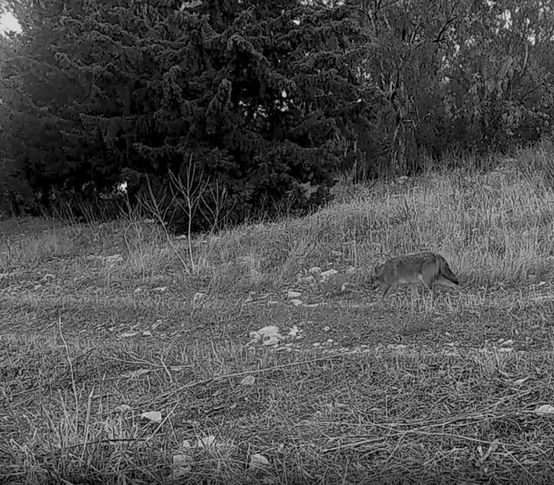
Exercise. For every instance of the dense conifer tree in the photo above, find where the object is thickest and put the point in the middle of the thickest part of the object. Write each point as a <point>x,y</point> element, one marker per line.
<point>264,101</point>
<point>254,94</point>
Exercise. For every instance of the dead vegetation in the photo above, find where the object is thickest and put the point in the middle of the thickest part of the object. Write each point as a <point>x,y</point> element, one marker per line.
<point>117,366</point>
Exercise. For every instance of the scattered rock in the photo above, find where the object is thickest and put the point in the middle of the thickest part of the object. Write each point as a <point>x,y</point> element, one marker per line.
<point>327,274</point>
<point>296,302</point>
<point>181,466</point>
<point>206,442</point>
<point>294,331</point>
<point>248,381</point>
<point>268,335</point>
<point>128,334</point>
<point>135,373</point>
<point>310,280</point>
<point>258,462</point>
<point>154,416</point>
<point>122,408</point>
<point>544,409</point>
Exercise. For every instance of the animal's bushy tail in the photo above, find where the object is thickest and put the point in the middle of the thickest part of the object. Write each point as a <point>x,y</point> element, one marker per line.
<point>446,271</point>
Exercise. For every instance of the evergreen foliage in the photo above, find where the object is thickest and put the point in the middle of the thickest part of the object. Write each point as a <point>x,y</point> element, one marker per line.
<point>262,102</point>
<point>253,93</point>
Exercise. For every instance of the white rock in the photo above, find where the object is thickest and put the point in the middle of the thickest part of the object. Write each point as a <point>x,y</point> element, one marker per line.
<point>248,381</point>
<point>128,334</point>
<point>206,442</point>
<point>329,273</point>
<point>269,335</point>
<point>258,462</point>
<point>293,332</point>
<point>181,466</point>
<point>544,409</point>
<point>122,408</point>
<point>155,416</point>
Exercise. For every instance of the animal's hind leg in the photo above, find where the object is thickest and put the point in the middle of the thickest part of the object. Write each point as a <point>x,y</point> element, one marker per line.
<point>414,294</point>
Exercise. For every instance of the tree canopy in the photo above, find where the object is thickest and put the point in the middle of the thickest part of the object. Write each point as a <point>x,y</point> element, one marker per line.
<point>265,100</point>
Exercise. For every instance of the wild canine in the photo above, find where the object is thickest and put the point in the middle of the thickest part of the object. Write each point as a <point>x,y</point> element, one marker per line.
<point>429,268</point>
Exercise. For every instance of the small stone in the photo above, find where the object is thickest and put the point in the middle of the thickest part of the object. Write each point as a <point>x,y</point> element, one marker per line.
<point>329,273</point>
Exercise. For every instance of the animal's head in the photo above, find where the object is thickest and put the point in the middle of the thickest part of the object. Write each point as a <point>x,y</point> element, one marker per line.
<point>377,279</point>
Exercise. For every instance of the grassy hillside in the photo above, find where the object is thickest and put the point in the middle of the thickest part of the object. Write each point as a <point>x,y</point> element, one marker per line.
<point>123,360</point>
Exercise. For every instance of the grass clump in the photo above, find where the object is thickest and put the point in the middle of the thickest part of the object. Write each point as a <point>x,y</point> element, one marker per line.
<point>122,363</point>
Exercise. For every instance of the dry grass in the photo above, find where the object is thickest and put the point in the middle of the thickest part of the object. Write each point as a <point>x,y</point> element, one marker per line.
<point>100,324</point>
